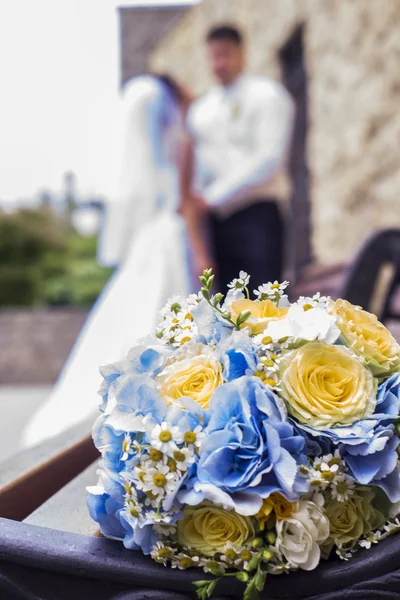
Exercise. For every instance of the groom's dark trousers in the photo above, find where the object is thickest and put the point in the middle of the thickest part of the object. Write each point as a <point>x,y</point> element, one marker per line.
<point>250,240</point>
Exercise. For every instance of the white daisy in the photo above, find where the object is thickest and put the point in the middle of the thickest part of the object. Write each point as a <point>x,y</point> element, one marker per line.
<point>165,437</point>
<point>271,291</point>
<point>342,487</point>
<point>184,457</point>
<point>184,561</point>
<point>162,553</point>
<point>173,305</point>
<point>129,447</point>
<point>159,480</point>
<point>241,282</point>
<point>195,437</point>
<point>164,530</point>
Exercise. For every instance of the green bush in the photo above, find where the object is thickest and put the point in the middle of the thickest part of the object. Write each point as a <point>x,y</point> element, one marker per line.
<point>44,262</point>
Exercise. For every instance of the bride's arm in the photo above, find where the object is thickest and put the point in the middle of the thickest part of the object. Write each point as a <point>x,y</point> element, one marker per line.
<point>192,213</point>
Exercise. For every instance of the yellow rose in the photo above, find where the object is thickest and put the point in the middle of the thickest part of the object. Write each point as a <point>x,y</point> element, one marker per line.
<point>275,503</point>
<point>351,519</point>
<point>261,313</point>
<point>195,373</point>
<point>207,528</point>
<point>363,332</point>
<point>326,386</point>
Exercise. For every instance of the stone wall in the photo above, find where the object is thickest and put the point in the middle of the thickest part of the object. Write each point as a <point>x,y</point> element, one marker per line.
<point>353,54</point>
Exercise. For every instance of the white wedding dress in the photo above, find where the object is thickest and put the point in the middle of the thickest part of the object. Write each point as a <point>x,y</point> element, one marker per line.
<point>145,235</point>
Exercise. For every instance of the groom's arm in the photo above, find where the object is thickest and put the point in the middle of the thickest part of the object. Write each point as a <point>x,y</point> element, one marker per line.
<point>273,128</point>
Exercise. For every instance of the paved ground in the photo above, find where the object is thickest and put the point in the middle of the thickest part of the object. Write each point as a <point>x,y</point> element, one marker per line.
<point>17,404</point>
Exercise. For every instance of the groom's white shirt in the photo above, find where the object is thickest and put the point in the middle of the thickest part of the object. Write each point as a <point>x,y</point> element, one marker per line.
<point>242,136</point>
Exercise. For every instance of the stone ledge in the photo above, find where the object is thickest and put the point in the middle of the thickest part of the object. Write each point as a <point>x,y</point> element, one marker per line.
<point>36,343</point>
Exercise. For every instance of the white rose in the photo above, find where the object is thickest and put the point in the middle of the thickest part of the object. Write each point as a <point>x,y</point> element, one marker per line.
<point>309,325</point>
<point>300,536</point>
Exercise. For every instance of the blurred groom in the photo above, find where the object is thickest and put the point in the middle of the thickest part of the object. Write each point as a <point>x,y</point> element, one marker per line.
<point>241,131</point>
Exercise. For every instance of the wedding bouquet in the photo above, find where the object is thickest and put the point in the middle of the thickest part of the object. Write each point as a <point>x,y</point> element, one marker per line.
<point>251,437</point>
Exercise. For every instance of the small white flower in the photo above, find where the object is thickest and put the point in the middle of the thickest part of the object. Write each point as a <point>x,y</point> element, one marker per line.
<point>159,480</point>
<point>307,302</point>
<point>184,561</point>
<point>184,336</point>
<point>194,437</point>
<point>165,437</point>
<point>392,527</point>
<point>241,282</point>
<point>129,447</point>
<point>371,539</point>
<point>164,530</point>
<point>231,553</point>
<point>162,553</point>
<point>184,457</point>
<point>173,305</point>
<point>342,487</point>
<point>271,291</point>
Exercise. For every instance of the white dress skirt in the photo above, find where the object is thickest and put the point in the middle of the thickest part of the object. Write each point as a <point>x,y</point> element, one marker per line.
<point>146,235</point>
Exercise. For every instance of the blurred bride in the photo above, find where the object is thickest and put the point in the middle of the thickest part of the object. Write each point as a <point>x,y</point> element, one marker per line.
<point>146,236</point>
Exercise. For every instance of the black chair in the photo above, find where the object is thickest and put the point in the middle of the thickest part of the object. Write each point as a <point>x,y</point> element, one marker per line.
<point>374,275</point>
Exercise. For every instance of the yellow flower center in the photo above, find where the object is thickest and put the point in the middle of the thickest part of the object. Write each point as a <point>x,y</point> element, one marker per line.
<point>261,375</point>
<point>268,362</point>
<point>270,381</point>
<point>245,555</point>
<point>230,554</point>
<point>185,339</point>
<point>342,487</point>
<point>267,339</point>
<point>186,562</point>
<point>159,480</point>
<point>165,436</point>
<point>155,455</point>
<point>307,306</point>
<point>190,437</point>
<point>275,286</point>
<point>171,463</point>
<point>164,552</point>
<point>179,456</point>
<point>134,512</point>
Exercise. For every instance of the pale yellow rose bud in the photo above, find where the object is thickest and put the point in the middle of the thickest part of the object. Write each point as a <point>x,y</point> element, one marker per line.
<point>208,528</point>
<point>261,313</point>
<point>196,374</point>
<point>368,338</point>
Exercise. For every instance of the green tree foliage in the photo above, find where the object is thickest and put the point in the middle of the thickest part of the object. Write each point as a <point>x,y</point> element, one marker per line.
<point>44,262</point>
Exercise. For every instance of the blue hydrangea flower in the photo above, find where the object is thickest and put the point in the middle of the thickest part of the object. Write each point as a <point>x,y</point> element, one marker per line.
<point>250,450</point>
<point>369,446</point>
<point>105,503</point>
<point>239,355</point>
<point>144,358</point>
<point>211,327</point>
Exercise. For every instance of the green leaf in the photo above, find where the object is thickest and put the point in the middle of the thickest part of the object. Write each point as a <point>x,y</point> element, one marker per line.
<point>201,583</point>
